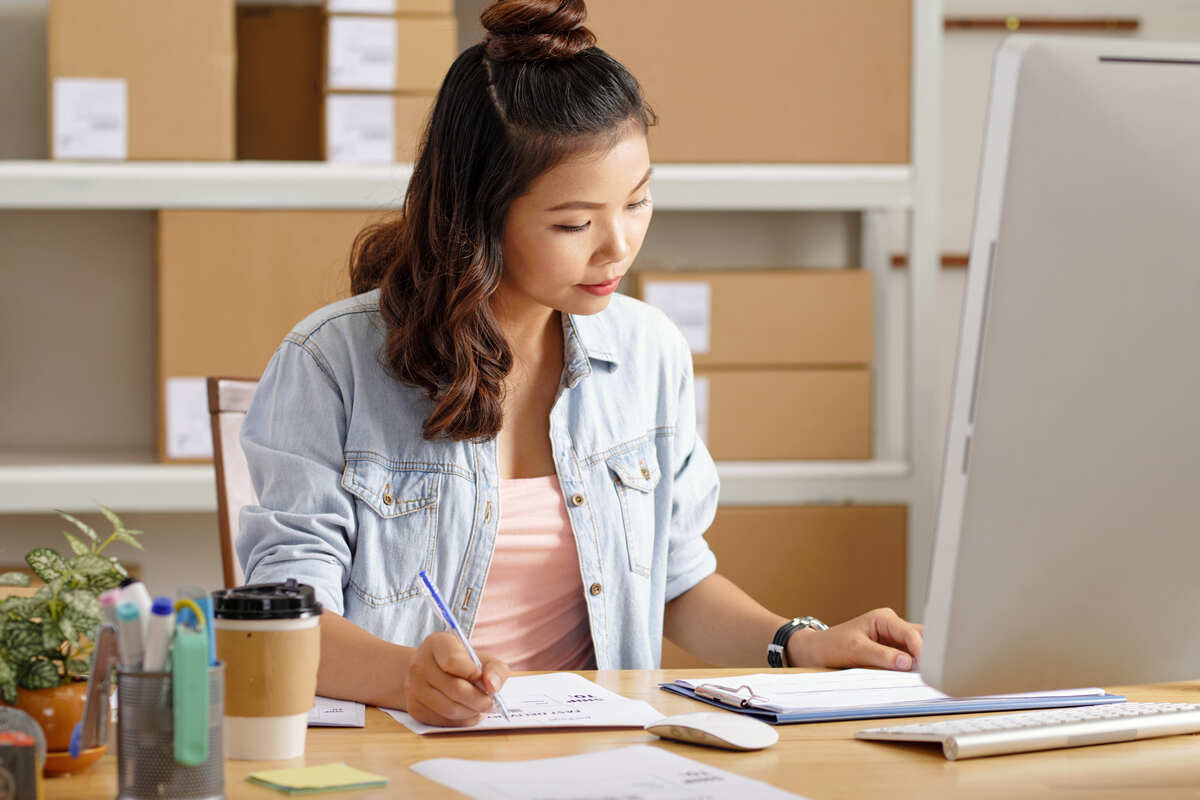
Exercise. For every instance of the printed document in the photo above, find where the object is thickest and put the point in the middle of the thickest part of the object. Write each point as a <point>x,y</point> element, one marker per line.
<point>556,700</point>
<point>329,713</point>
<point>640,772</point>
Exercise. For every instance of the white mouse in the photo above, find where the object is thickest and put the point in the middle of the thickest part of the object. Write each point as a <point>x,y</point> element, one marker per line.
<point>716,729</point>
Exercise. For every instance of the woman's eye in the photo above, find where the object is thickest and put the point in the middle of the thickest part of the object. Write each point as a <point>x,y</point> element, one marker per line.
<point>574,228</point>
<point>645,201</point>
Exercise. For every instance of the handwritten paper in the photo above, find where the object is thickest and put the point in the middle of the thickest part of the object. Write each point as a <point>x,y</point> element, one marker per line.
<point>329,713</point>
<point>557,700</point>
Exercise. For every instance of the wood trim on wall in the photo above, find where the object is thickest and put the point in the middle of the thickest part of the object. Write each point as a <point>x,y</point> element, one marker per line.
<point>948,261</point>
<point>1015,23</point>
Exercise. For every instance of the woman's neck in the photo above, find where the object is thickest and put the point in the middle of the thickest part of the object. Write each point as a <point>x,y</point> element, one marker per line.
<point>532,330</point>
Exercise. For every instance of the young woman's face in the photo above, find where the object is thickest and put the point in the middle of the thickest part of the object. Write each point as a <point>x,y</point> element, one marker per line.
<point>571,238</point>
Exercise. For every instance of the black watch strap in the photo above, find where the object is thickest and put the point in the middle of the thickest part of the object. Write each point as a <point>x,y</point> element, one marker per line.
<point>777,649</point>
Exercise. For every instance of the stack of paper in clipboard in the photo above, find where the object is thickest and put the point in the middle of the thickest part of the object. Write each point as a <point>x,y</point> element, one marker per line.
<point>859,694</point>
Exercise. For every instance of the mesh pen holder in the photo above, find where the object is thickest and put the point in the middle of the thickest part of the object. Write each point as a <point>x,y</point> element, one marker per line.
<point>146,766</point>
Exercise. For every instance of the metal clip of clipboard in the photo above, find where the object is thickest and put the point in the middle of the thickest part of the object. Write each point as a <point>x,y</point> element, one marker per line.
<point>730,696</point>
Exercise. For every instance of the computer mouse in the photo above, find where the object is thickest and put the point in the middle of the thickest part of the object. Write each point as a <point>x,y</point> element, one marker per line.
<point>716,729</point>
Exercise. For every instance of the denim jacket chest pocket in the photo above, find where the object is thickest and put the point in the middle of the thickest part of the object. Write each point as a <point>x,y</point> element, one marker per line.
<point>397,528</point>
<point>635,474</point>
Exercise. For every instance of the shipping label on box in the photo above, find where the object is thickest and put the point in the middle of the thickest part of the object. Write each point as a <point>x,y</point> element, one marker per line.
<point>91,118</point>
<point>688,304</point>
<point>361,53</point>
<point>361,6</point>
<point>189,431</point>
<point>360,128</point>
<point>702,393</point>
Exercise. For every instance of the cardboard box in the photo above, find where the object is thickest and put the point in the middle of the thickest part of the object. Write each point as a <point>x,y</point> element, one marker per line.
<point>389,7</point>
<point>373,128</point>
<point>279,82</point>
<point>831,562</point>
<point>388,53</point>
<point>768,80</point>
<point>742,318</point>
<point>230,285</point>
<point>141,79</point>
<point>786,414</point>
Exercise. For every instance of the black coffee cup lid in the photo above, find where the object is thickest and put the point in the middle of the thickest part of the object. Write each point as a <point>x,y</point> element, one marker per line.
<point>287,600</point>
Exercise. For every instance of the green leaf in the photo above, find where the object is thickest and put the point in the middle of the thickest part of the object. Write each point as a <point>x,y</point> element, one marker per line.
<point>7,673</point>
<point>14,579</point>
<point>83,603</point>
<point>9,690</point>
<point>117,566</point>
<point>86,529</point>
<point>22,640</point>
<point>78,666</point>
<point>123,536</point>
<point>77,547</point>
<point>46,563</point>
<point>112,518</point>
<point>52,635</point>
<point>90,564</point>
<point>67,628</point>
<point>40,675</point>
<point>16,608</point>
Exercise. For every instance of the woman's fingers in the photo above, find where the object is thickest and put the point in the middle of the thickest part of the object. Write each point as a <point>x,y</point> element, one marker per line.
<point>874,654</point>
<point>495,673</point>
<point>890,628</point>
<point>437,712</point>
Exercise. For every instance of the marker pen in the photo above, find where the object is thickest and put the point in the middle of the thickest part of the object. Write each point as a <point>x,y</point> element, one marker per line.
<point>129,637</point>
<point>158,634</point>
<point>134,591</point>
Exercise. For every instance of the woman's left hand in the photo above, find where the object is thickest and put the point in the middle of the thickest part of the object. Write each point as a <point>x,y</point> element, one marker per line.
<point>879,639</point>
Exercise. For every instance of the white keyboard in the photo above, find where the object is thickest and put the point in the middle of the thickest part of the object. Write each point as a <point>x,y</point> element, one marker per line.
<point>1046,730</point>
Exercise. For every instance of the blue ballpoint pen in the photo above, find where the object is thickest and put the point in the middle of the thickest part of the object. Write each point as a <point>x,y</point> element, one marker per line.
<point>436,599</point>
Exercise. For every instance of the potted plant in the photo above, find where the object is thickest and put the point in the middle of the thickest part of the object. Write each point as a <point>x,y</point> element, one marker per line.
<point>46,637</point>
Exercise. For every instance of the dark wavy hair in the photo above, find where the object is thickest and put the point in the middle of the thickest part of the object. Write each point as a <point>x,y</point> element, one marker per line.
<point>536,90</point>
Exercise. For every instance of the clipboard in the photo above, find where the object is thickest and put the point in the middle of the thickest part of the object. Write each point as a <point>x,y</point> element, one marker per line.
<point>737,695</point>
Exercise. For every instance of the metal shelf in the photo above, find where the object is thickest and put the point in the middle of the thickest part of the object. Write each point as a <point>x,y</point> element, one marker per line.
<point>127,485</point>
<point>276,185</point>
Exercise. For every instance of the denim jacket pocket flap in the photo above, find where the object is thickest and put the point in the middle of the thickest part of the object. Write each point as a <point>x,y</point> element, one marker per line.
<point>636,468</point>
<point>389,493</point>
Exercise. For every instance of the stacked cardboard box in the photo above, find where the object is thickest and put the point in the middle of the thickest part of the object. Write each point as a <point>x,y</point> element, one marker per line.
<point>384,62</point>
<point>230,285</point>
<point>833,562</point>
<point>768,80</point>
<point>141,79</point>
<point>782,358</point>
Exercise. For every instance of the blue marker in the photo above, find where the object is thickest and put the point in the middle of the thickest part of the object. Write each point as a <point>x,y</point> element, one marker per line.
<point>436,599</point>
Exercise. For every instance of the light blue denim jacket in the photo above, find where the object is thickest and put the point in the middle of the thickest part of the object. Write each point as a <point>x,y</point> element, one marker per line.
<point>353,500</point>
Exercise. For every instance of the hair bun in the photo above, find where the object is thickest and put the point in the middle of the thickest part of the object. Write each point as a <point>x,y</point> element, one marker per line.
<point>536,30</point>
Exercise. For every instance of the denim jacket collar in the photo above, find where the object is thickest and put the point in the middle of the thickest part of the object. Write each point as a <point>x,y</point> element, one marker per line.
<point>586,338</point>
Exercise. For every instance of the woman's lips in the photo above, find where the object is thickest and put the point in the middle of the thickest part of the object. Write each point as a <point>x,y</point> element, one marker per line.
<point>601,289</point>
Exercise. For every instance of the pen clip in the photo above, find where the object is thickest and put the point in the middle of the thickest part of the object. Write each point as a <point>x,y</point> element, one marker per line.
<point>729,696</point>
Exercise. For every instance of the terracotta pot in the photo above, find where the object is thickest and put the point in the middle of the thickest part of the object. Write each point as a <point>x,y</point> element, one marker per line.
<point>56,710</point>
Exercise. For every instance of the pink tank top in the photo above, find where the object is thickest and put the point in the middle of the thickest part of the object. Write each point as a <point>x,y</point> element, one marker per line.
<point>533,614</point>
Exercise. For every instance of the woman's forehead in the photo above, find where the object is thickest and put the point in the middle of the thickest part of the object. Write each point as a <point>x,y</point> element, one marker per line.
<point>596,174</point>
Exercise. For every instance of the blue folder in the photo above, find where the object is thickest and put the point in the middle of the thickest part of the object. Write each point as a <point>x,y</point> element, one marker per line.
<point>951,705</point>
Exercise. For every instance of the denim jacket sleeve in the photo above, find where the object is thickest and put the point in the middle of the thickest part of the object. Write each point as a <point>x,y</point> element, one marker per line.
<point>696,488</point>
<point>304,524</point>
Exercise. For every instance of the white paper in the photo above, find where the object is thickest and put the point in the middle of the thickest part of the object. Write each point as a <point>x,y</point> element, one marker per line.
<point>688,304</point>
<point>329,713</point>
<point>362,6</point>
<point>360,129</point>
<point>557,700</point>
<point>702,390</point>
<point>91,118</point>
<point>639,772</point>
<point>189,430</point>
<point>362,53</point>
<point>848,688</point>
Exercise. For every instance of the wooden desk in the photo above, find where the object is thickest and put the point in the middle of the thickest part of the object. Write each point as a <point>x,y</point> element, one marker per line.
<point>821,760</point>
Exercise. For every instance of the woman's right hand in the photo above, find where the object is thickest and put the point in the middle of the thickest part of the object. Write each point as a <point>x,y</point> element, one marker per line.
<point>443,685</point>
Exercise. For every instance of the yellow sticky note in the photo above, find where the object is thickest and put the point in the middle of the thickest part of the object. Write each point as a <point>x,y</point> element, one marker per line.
<point>323,778</point>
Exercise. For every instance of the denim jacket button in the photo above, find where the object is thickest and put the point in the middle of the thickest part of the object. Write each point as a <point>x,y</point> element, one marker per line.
<point>594,589</point>
<point>387,499</point>
<point>577,500</point>
<point>645,473</point>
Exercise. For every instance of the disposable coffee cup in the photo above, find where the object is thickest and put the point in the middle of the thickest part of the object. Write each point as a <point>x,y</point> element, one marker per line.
<point>269,637</point>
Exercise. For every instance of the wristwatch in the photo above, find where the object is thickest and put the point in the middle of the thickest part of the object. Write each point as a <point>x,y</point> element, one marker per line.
<point>777,649</point>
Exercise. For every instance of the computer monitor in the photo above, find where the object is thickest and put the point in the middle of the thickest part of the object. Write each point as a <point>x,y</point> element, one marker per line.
<point>1068,533</point>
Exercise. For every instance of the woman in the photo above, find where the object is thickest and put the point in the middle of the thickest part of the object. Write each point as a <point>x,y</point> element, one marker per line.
<point>486,409</point>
